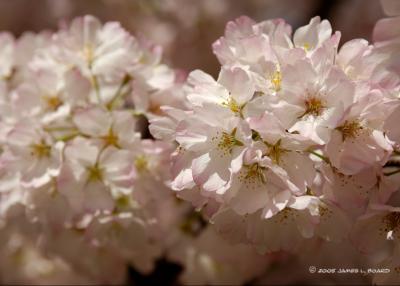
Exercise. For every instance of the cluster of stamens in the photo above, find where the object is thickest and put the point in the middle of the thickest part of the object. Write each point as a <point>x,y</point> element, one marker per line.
<point>141,163</point>
<point>40,150</point>
<point>350,129</point>
<point>95,173</point>
<point>52,102</point>
<point>275,151</point>
<point>234,106</point>
<point>324,212</point>
<point>314,106</point>
<point>111,139</point>
<point>226,142</point>
<point>88,54</point>
<point>252,176</point>
<point>286,215</point>
<point>276,80</point>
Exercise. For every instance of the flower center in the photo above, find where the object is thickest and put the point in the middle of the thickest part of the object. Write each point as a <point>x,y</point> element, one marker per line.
<point>88,54</point>
<point>252,175</point>
<point>276,80</point>
<point>52,102</point>
<point>41,150</point>
<point>275,151</point>
<point>286,215</point>
<point>227,141</point>
<point>314,106</point>
<point>95,173</point>
<point>350,129</point>
<point>111,139</point>
<point>307,46</point>
<point>324,212</point>
<point>141,163</point>
<point>234,106</point>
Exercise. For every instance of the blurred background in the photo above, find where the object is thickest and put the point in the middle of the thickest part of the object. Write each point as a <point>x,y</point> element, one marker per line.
<point>187,28</point>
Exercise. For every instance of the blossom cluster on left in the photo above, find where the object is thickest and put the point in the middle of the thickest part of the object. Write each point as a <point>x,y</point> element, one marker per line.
<point>72,154</point>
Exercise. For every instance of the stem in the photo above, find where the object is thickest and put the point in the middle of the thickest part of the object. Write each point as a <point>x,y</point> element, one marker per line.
<point>392,173</point>
<point>119,93</point>
<point>68,137</point>
<point>319,156</point>
<point>96,86</point>
<point>137,113</point>
<point>396,152</point>
<point>55,129</point>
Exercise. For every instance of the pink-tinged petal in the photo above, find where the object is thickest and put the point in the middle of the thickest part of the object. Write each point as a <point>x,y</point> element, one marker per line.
<point>349,192</point>
<point>181,171</point>
<point>194,196</point>
<point>203,88</point>
<point>313,34</point>
<point>27,98</point>
<point>71,187</point>
<point>82,152</point>
<point>376,241</point>
<point>237,81</point>
<point>300,169</point>
<point>353,155</point>
<point>211,171</point>
<point>391,126</point>
<point>117,166</point>
<point>280,232</point>
<point>268,126</point>
<point>77,87</point>
<point>85,29</point>
<point>334,225</point>
<point>276,204</point>
<point>351,52</point>
<point>230,225</point>
<point>248,201</point>
<point>7,43</point>
<point>92,121</point>
<point>278,31</point>
<point>241,26</point>
<point>386,30</point>
<point>191,137</point>
<point>97,197</point>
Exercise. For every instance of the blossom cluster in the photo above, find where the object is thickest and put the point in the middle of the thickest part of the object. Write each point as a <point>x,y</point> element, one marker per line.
<point>296,141</point>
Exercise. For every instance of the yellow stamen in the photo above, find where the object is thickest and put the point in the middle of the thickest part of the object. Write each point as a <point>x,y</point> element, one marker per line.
<point>275,152</point>
<point>252,176</point>
<point>234,106</point>
<point>306,46</point>
<point>141,163</point>
<point>111,139</point>
<point>88,53</point>
<point>52,102</point>
<point>41,150</point>
<point>95,173</point>
<point>276,80</point>
<point>350,129</point>
<point>314,106</point>
<point>227,141</point>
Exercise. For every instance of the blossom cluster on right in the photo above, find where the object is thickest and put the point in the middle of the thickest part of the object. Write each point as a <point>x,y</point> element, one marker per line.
<point>296,141</point>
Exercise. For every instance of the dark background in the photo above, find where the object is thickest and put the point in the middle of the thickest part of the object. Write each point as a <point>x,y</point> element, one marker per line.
<point>187,28</point>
